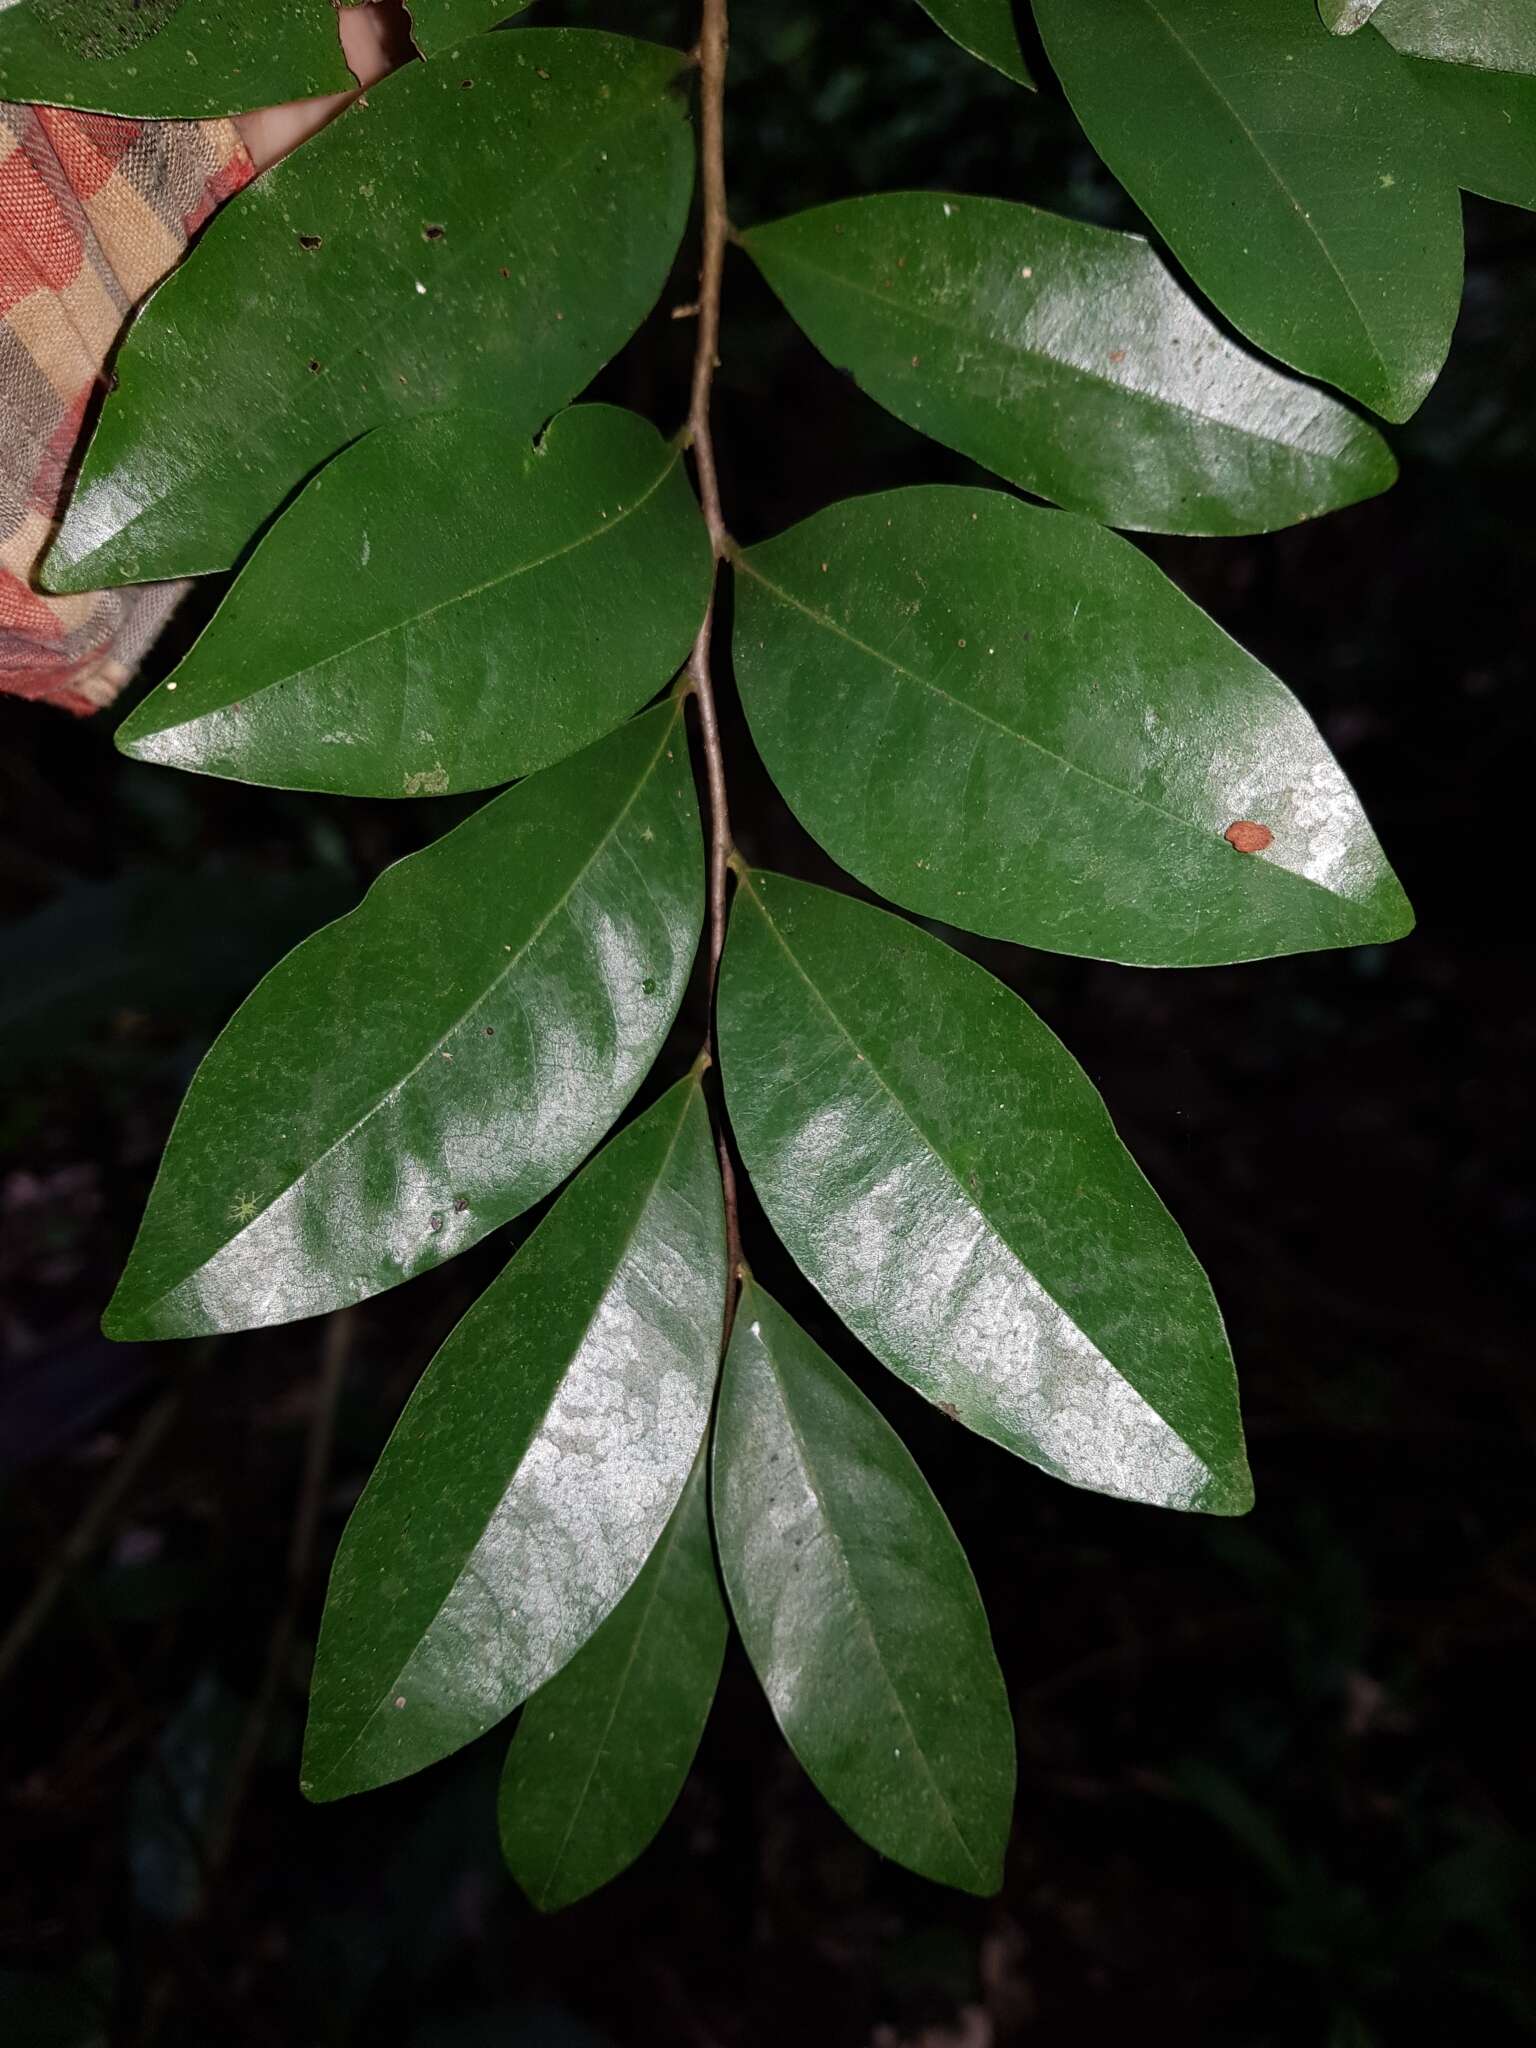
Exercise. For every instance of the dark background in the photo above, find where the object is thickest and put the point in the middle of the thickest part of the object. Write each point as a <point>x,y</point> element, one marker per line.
<point>1275,1774</point>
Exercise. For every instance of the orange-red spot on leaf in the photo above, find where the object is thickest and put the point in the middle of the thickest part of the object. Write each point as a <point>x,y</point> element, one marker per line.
<point>1247,837</point>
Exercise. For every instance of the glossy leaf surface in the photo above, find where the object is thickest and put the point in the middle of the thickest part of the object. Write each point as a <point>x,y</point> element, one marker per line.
<point>1343,17</point>
<point>169,58</point>
<point>432,1064</point>
<point>448,605</point>
<point>1292,173</point>
<point>985,28</point>
<point>535,1466</point>
<point>941,1168</point>
<point>1487,122</point>
<point>601,1752</point>
<point>1067,359</point>
<point>481,233</point>
<point>1008,718</point>
<point>858,1609</point>
<point>1492,35</point>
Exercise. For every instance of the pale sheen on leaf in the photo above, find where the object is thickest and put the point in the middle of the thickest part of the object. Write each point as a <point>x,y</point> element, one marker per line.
<point>432,1064</point>
<point>1067,359</point>
<point>1008,718</point>
<point>1487,35</point>
<point>534,1467</point>
<point>941,1168</point>
<point>448,605</point>
<point>602,1750</point>
<point>481,233</point>
<point>858,1609</point>
<point>1343,17</point>
<point>1292,173</point>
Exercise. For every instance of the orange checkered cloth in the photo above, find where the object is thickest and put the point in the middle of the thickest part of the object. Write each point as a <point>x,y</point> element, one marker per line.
<point>93,212</point>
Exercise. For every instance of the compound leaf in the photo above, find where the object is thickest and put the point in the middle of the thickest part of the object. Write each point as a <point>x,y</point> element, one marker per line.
<point>858,1609</point>
<point>1008,718</point>
<point>448,605</point>
<point>1293,174</point>
<point>169,59</point>
<point>941,1168</point>
<point>534,1467</point>
<point>429,1066</point>
<point>985,28</point>
<point>1068,360</point>
<point>602,1750</point>
<point>482,233</point>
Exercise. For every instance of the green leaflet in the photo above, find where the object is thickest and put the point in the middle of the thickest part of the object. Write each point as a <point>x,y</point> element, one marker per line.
<point>1008,718</point>
<point>535,1465</point>
<point>432,1064</point>
<point>1292,173</point>
<point>602,1750</point>
<point>985,28</point>
<point>436,25</point>
<point>1343,17</point>
<point>1068,360</point>
<point>1488,125</point>
<point>523,205</point>
<point>1492,35</point>
<point>170,59</point>
<point>448,605</point>
<point>941,1168</point>
<point>858,1609</point>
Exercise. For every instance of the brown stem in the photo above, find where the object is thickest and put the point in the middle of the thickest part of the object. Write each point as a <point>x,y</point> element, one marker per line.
<point>714,35</point>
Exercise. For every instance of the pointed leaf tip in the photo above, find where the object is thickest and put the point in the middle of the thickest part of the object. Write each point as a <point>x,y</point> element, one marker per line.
<point>535,1466</point>
<point>1040,667</point>
<point>858,1609</point>
<point>445,608</point>
<point>602,1750</point>
<point>1068,359</point>
<point>986,29</point>
<point>1337,242</point>
<point>303,318</point>
<point>947,1176</point>
<point>489,1048</point>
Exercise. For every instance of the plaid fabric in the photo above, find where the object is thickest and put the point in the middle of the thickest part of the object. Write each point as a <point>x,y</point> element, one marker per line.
<point>93,212</point>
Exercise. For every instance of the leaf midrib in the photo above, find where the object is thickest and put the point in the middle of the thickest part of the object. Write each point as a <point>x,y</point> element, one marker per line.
<point>512,961</point>
<point>626,1245</point>
<point>918,312</point>
<point>1213,86</point>
<point>956,1180</point>
<point>1207,838</point>
<point>661,1557</point>
<point>353,647</point>
<point>282,401</point>
<point>862,1608</point>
